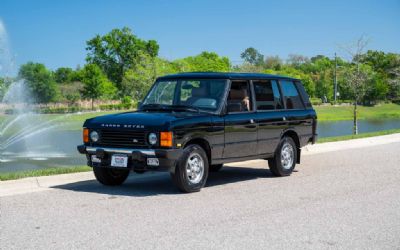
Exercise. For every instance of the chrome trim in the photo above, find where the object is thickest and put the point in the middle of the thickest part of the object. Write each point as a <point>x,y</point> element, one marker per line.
<point>121,150</point>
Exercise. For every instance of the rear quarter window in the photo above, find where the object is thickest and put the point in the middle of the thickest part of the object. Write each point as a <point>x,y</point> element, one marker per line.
<point>291,96</point>
<point>303,94</point>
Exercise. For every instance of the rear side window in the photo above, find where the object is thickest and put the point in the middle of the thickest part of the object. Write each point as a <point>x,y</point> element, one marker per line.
<point>267,95</point>
<point>304,94</point>
<point>291,95</point>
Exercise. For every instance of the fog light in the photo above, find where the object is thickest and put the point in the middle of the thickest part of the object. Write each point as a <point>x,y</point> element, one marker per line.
<point>152,138</point>
<point>94,136</point>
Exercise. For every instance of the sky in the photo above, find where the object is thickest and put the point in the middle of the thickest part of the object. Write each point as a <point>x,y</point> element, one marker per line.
<point>55,32</point>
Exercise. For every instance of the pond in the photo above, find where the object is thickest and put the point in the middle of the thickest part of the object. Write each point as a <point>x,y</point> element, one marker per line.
<point>338,128</point>
<point>58,147</point>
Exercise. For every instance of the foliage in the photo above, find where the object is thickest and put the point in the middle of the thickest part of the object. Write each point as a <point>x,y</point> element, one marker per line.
<point>119,51</point>
<point>96,84</point>
<point>40,80</point>
<point>71,92</point>
<point>138,80</point>
<point>252,56</point>
<point>204,62</point>
<point>4,83</point>
<point>63,75</point>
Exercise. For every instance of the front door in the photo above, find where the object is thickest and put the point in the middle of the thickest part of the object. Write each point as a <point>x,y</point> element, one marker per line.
<point>240,122</point>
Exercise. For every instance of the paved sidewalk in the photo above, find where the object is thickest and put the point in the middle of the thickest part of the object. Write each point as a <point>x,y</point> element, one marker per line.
<point>37,184</point>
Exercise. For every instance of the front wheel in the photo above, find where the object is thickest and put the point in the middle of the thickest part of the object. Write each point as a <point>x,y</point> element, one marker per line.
<point>191,170</point>
<point>110,177</point>
<point>284,159</point>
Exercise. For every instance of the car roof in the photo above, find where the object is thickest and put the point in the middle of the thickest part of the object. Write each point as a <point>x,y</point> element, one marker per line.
<point>223,75</point>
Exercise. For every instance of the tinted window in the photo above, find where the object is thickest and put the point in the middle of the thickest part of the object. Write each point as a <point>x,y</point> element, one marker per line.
<point>267,95</point>
<point>304,94</point>
<point>291,95</point>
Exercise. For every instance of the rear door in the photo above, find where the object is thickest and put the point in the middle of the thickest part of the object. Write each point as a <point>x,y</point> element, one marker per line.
<point>240,125</point>
<point>270,115</point>
<point>299,118</point>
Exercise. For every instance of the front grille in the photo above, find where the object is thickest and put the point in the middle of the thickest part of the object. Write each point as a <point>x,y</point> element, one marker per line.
<point>122,138</point>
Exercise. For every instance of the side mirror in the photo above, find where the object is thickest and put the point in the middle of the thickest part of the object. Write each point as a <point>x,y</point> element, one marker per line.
<point>139,104</point>
<point>234,107</point>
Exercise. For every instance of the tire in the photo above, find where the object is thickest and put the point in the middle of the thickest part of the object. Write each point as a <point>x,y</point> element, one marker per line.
<point>110,177</point>
<point>285,158</point>
<point>191,171</point>
<point>216,168</point>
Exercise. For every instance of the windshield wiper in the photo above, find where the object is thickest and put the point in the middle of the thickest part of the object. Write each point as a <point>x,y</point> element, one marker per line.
<point>153,106</point>
<point>185,107</point>
<point>164,107</point>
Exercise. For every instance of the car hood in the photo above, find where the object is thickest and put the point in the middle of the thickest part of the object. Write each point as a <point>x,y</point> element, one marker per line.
<point>138,120</point>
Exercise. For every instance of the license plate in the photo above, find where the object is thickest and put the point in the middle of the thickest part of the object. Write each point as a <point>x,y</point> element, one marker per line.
<point>95,159</point>
<point>119,161</point>
<point>152,162</point>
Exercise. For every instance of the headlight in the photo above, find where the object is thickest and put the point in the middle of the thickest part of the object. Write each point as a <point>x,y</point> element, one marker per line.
<point>152,138</point>
<point>94,136</point>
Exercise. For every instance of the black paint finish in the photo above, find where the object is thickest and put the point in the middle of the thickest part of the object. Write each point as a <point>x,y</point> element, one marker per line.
<point>229,137</point>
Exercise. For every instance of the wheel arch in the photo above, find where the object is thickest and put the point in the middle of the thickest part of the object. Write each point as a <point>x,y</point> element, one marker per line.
<point>295,137</point>
<point>202,143</point>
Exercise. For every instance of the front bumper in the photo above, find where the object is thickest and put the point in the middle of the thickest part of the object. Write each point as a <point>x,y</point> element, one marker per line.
<point>137,158</point>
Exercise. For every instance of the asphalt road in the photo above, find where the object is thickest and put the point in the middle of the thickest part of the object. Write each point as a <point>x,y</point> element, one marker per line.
<point>338,200</point>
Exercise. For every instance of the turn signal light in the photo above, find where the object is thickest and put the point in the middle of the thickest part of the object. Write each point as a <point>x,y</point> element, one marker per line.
<point>166,139</point>
<point>85,135</point>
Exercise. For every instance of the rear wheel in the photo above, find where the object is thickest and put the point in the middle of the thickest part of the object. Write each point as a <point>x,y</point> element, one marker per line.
<point>216,168</point>
<point>191,171</point>
<point>110,177</point>
<point>284,159</point>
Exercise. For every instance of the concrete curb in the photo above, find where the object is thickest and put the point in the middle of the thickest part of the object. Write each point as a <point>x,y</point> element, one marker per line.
<point>43,183</point>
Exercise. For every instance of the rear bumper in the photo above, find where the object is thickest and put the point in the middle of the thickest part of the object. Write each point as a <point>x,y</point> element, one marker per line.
<point>137,158</point>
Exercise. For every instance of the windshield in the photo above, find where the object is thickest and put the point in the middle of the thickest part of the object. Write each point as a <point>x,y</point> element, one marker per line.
<point>197,94</point>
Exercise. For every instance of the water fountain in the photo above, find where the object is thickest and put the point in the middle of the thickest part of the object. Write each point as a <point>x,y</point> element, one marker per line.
<point>29,140</point>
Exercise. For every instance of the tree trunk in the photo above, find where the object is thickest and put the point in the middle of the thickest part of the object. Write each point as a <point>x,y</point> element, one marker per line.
<point>92,104</point>
<point>355,125</point>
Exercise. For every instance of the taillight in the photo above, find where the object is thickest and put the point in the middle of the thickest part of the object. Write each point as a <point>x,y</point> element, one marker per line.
<point>166,139</point>
<point>85,135</point>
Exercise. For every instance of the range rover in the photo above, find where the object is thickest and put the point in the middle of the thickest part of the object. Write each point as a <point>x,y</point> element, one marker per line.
<point>191,124</point>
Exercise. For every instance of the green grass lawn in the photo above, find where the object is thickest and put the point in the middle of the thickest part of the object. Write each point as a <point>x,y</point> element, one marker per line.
<point>340,113</point>
<point>42,172</point>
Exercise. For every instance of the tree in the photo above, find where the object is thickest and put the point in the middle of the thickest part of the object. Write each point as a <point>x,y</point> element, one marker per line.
<point>40,81</point>
<point>357,76</point>
<point>297,60</point>
<point>119,51</point>
<point>63,75</point>
<point>136,82</point>
<point>252,56</point>
<point>3,87</point>
<point>96,84</point>
<point>205,61</point>
<point>273,62</point>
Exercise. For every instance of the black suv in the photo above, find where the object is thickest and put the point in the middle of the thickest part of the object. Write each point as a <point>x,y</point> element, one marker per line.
<point>193,123</point>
